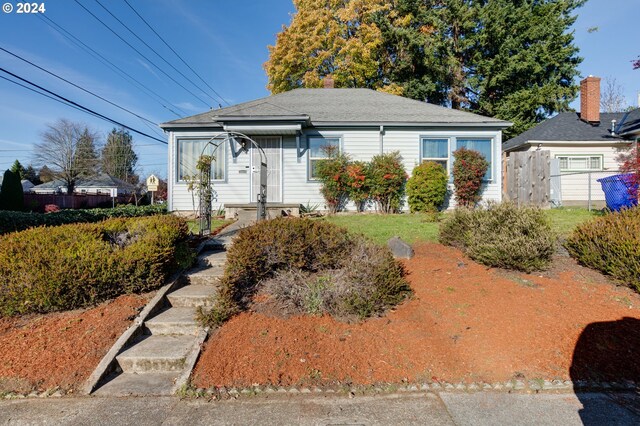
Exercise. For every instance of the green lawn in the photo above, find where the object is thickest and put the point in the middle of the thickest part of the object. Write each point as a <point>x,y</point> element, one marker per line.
<point>194,225</point>
<point>416,227</point>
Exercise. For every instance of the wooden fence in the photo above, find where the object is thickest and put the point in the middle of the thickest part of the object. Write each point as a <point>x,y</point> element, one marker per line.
<point>527,178</point>
<point>36,202</point>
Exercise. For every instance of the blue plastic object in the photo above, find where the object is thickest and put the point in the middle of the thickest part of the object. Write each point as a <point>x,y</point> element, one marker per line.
<point>619,191</point>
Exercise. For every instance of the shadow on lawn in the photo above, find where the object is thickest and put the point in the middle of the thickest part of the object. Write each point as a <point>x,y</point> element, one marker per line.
<point>608,352</point>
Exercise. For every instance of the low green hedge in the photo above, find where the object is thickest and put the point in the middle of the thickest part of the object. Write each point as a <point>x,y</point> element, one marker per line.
<point>610,244</point>
<point>73,266</point>
<point>11,221</point>
<point>502,235</point>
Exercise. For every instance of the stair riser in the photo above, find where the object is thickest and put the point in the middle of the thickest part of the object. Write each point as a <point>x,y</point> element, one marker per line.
<point>172,329</point>
<point>141,365</point>
<point>204,279</point>
<point>190,302</point>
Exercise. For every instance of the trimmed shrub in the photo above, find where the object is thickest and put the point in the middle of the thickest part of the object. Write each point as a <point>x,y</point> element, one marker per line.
<point>387,182</point>
<point>19,221</point>
<point>73,266</point>
<point>11,195</point>
<point>332,173</point>
<point>427,187</point>
<point>610,244</point>
<point>357,182</point>
<point>469,168</point>
<point>314,250</point>
<point>502,235</point>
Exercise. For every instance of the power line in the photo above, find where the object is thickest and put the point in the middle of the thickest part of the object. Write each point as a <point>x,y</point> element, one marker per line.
<point>110,64</point>
<point>85,109</point>
<point>140,53</point>
<point>176,53</point>
<point>77,86</point>
<point>155,51</point>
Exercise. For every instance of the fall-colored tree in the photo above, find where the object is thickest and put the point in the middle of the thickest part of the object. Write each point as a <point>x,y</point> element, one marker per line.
<point>45,174</point>
<point>511,59</point>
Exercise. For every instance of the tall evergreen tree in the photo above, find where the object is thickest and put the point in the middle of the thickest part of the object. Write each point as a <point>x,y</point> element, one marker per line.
<point>18,169</point>
<point>11,195</point>
<point>118,157</point>
<point>32,175</point>
<point>511,59</point>
<point>86,156</point>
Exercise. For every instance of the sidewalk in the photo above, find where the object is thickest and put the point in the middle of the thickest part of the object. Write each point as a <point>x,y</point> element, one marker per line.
<point>482,408</point>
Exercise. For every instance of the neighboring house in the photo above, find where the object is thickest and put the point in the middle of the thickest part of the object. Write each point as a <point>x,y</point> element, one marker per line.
<point>586,144</point>
<point>292,128</point>
<point>101,184</point>
<point>26,184</point>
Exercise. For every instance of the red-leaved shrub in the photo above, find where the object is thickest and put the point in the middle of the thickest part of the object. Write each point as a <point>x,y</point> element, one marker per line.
<point>469,168</point>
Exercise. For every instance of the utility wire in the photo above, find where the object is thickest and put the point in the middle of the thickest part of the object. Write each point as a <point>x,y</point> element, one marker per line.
<point>77,86</point>
<point>111,65</point>
<point>85,109</point>
<point>156,52</point>
<point>141,54</point>
<point>176,53</point>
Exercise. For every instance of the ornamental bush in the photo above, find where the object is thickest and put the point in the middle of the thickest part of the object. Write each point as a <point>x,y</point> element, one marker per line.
<point>326,258</point>
<point>427,187</point>
<point>469,168</point>
<point>357,181</point>
<point>332,173</point>
<point>610,244</point>
<point>78,265</point>
<point>19,221</point>
<point>388,179</point>
<point>502,235</point>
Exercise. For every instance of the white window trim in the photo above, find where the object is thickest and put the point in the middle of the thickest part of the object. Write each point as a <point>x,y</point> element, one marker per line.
<point>223,146</point>
<point>588,156</point>
<point>436,159</point>
<point>309,158</point>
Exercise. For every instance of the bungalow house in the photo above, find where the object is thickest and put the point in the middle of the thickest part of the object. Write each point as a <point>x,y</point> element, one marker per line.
<point>102,184</point>
<point>584,144</point>
<point>292,128</point>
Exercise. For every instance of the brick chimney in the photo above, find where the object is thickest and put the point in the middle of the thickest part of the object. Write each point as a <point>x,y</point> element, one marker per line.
<point>328,82</point>
<point>590,100</point>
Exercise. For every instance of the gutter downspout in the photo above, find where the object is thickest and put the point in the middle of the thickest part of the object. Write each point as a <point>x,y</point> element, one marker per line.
<point>381,139</point>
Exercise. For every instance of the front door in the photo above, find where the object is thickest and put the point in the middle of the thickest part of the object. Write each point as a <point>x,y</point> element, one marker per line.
<point>272,146</point>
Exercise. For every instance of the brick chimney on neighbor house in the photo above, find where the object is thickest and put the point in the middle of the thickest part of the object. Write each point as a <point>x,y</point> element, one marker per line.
<point>328,82</point>
<point>590,100</point>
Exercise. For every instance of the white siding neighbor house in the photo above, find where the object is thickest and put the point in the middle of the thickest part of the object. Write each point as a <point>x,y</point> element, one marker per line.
<point>292,127</point>
<point>585,144</point>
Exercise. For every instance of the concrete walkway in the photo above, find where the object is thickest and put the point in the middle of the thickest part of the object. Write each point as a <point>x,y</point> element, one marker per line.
<point>482,408</point>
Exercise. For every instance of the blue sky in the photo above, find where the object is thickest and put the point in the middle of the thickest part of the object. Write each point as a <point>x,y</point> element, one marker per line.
<point>224,41</point>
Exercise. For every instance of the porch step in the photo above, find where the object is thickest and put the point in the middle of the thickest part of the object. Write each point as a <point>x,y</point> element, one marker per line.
<point>132,384</point>
<point>192,296</point>
<point>156,354</point>
<point>205,277</point>
<point>174,321</point>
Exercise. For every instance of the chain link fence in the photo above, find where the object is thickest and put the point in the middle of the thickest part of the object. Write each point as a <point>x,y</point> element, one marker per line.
<point>579,189</point>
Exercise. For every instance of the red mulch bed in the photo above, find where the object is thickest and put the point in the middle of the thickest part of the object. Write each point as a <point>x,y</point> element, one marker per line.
<point>40,352</point>
<point>466,323</point>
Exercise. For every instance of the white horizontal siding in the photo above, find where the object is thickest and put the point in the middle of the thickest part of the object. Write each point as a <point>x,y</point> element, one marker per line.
<point>575,186</point>
<point>360,144</point>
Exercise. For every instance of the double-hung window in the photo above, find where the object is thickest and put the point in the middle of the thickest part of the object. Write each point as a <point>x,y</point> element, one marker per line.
<point>569,163</point>
<point>436,149</point>
<point>190,150</point>
<point>483,146</point>
<point>320,148</point>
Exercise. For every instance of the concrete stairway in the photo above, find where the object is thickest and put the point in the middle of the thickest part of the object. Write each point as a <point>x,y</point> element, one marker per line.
<point>155,360</point>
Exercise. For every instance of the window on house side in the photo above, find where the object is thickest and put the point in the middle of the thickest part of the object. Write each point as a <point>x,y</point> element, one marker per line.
<point>318,148</point>
<point>436,150</point>
<point>483,146</point>
<point>580,162</point>
<point>189,150</point>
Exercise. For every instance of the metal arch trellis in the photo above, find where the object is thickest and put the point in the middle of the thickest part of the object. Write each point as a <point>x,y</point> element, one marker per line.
<point>204,167</point>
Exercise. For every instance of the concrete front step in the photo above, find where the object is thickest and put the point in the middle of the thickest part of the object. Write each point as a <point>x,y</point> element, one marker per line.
<point>147,384</point>
<point>156,354</point>
<point>174,321</point>
<point>207,277</point>
<point>192,296</point>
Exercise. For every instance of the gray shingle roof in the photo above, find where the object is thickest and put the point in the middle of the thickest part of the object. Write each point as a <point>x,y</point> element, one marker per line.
<point>344,106</point>
<point>101,181</point>
<point>630,124</point>
<point>567,126</point>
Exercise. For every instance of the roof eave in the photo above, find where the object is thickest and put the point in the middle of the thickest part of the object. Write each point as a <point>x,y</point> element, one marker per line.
<point>490,124</point>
